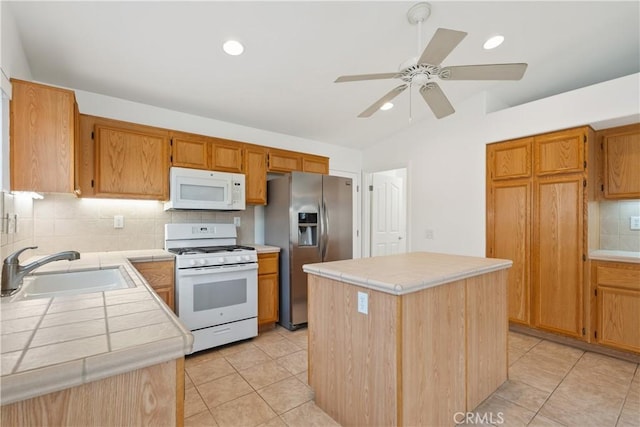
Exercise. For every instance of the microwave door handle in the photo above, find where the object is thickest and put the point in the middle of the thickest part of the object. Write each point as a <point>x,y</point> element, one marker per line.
<point>229,194</point>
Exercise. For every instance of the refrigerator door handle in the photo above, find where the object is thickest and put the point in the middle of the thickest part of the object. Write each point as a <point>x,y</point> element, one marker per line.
<point>325,230</point>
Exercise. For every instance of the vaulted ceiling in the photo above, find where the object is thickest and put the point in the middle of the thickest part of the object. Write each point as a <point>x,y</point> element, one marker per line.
<point>169,54</point>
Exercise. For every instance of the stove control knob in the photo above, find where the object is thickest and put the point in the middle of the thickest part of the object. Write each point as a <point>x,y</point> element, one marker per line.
<point>246,258</point>
<point>192,262</point>
<point>221,260</point>
<point>238,258</point>
<point>202,261</point>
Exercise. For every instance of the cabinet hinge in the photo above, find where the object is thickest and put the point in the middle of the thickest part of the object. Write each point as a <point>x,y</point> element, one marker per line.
<point>584,138</point>
<point>171,158</point>
<point>601,146</point>
<point>585,164</point>
<point>92,135</point>
<point>595,334</point>
<point>596,292</point>
<point>91,183</point>
<point>584,182</point>
<point>268,161</point>
<point>584,331</point>
<point>601,187</point>
<point>371,188</point>
<point>584,257</point>
<point>171,141</point>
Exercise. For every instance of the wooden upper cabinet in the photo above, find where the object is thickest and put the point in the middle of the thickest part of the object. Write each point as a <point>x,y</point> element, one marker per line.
<point>43,130</point>
<point>284,161</point>
<point>189,151</point>
<point>621,161</point>
<point>560,152</point>
<point>255,169</point>
<point>131,162</point>
<point>510,159</point>
<point>226,155</point>
<point>315,164</point>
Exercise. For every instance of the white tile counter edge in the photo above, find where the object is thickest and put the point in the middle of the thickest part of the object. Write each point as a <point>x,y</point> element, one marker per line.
<point>616,256</point>
<point>407,288</point>
<point>43,380</point>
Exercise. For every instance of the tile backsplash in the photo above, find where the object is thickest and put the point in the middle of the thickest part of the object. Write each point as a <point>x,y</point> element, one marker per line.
<point>615,230</point>
<point>63,222</point>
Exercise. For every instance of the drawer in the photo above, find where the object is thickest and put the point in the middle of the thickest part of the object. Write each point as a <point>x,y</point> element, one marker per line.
<point>618,275</point>
<point>268,263</point>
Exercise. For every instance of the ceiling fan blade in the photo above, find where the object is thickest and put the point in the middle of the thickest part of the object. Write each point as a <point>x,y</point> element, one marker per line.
<point>484,72</point>
<point>358,77</point>
<point>441,45</point>
<point>380,102</point>
<point>436,99</point>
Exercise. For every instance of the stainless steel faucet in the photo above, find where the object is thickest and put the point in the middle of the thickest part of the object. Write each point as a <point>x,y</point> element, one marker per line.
<point>13,272</point>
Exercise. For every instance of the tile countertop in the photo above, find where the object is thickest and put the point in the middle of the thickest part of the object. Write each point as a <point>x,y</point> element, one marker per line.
<point>50,344</point>
<point>617,256</point>
<point>406,273</point>
<point>264,249</point>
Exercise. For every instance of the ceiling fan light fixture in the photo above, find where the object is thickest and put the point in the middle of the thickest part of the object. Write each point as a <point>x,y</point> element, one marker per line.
<point>386,106</point>
<point>493,42</point>
<point>233,47</point>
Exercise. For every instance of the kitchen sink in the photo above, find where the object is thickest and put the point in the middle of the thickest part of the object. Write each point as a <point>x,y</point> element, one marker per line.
<point>44,285</point>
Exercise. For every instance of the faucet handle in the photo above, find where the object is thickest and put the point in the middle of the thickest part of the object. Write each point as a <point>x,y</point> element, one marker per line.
<point>13,258</point>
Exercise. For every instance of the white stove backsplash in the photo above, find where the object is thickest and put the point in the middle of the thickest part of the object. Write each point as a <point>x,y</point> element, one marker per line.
<point>64,222</point>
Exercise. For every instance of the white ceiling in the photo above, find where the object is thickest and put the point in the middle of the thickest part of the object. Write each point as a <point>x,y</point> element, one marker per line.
<point>168,54</point>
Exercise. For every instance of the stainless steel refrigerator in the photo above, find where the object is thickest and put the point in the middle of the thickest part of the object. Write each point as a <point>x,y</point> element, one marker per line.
<point>309,216</point>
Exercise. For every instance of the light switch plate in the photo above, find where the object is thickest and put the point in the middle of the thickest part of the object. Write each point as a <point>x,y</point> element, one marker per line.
<point>118,221</point>
<point>363,303</point>
<point>236,221</point>
<point>634,223</point>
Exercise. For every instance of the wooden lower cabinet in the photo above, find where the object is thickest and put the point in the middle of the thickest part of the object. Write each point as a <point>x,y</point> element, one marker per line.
<point>558,251</point>
<point>161,276</point>
<point>151,396</point>
<point>509,237</point>
<point>616,289</point>
<point>268,288</point>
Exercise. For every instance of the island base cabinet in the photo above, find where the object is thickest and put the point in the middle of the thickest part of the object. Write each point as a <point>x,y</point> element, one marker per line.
<point>413,359</point>
<point>151,396</point>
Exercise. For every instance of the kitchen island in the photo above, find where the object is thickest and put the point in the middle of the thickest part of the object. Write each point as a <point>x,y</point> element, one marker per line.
<point>102,358</point>
<point>410,339</point>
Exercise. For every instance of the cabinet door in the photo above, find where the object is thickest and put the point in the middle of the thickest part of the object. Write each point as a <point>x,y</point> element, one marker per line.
<point>560,152</point>
<point>255,169</point>
<point>42,142</point>
<point>131,164</point>
<point>508,237</point>
<point>621,158</point>
<point>284,161</point>
<point>618,318</point>
<point>189,151</point>
<point>161,276</point>
<point>268,288</point>
<point>315,164</point>
<point>226,156</point>
<point>508,160</point>
<point>558,249</point>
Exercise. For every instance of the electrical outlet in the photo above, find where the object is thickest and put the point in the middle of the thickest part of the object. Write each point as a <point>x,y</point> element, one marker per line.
<point>634,223</point>
<point>428,234</point>
<point>118,221</point>
<point>363,303</point>
<point>236,221</point>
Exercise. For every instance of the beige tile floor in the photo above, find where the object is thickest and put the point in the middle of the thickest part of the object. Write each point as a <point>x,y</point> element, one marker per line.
<point>263,382</point>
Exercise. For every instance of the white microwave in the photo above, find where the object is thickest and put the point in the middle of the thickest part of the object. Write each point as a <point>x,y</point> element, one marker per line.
<point>201,189</point>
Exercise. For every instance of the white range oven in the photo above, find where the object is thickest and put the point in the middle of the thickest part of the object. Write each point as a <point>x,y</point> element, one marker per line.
<point>216,283</point>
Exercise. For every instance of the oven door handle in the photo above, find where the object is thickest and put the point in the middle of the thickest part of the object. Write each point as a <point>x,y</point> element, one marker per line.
<point>183,272</point>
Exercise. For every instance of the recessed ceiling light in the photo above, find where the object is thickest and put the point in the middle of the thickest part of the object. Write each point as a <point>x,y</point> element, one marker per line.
<point>386,106</point>
<point>233,47</point>
<point>493,42</point>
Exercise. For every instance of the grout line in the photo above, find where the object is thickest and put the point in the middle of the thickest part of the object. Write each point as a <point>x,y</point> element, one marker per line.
<point>636,372</point>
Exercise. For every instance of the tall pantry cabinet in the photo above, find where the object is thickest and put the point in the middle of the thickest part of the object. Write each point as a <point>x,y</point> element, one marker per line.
<point>537,217</point>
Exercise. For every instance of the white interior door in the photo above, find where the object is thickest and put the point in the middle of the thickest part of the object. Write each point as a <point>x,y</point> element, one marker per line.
<point>388,207</point>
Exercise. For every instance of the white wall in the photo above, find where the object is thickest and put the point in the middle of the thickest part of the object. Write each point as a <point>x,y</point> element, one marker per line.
<point>446,158</point>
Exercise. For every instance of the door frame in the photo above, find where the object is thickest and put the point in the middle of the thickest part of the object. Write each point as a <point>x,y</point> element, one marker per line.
<point>366,207</point>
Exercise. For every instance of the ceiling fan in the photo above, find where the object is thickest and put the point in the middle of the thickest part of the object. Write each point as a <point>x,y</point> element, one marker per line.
<point>423,71</point>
